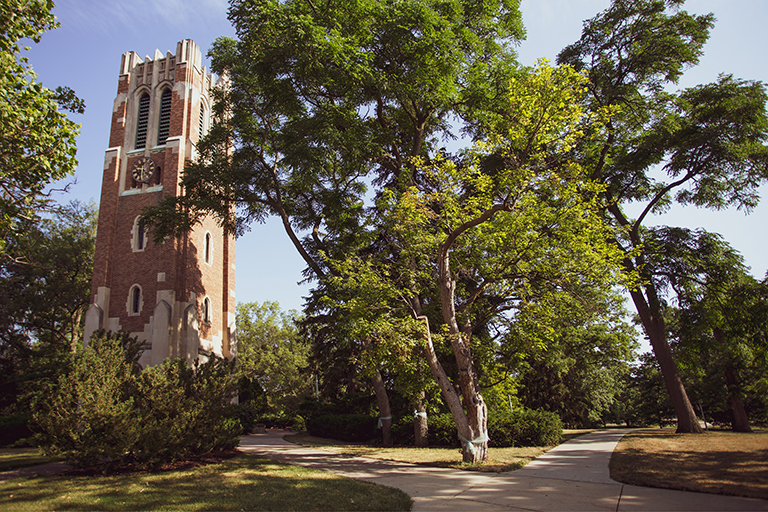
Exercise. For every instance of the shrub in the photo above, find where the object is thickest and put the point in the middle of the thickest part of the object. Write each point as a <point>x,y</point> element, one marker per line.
<point>524,427</point>
<point>344,427</point>
<point>402,430</point>
<point>105,410</point>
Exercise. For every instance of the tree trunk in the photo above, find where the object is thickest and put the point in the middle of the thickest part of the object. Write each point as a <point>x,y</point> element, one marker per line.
<point>740,420</point>
<point>385,412</point>
<point>420,425</point>
<point>656,331</point>
<point>468,432</point>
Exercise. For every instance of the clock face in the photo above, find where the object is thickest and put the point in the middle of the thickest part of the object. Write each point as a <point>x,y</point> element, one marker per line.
<point>143,169</point>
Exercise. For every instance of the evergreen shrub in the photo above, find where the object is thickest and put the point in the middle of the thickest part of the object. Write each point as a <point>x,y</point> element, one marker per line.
<point>105,410</point>
<point>343,427</point>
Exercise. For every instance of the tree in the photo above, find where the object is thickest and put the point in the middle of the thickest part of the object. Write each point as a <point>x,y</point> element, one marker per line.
<point>43,298</point>
<point>571,355</point>
<point>478,238</point>
<point>703,146</point>
<point>37,141</point>
<point>271,351</point>
<point>718,324</point>
<point>326,100</point>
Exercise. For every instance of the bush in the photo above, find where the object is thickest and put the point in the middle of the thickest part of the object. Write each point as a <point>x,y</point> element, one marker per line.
<point>105,411</point>
<point>524,427</point>
<point>14,430</point>
<point>344,427</point>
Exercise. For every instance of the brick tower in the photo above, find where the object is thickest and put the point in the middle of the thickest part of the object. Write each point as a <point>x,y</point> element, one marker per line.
<point>178,297</point>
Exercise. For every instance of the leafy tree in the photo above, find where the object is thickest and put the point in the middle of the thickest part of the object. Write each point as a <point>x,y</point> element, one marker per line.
<point>718,325</point>
<point>645,399</point>
<point>480,237</point>
<point>42,300</point>
<point>37,141</point>
<point>703,146</point>
<point>271,352</point>
<point>574,355</point>
<point>326,100</point>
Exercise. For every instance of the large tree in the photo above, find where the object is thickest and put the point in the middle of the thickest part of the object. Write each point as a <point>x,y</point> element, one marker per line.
<point>477,238</point>
<point>37,141</point>
<point>719,323</point>
<point>330,103</point>
<point>703,146</point>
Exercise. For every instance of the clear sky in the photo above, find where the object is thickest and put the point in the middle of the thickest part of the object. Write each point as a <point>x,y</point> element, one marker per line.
<point>85,52</point>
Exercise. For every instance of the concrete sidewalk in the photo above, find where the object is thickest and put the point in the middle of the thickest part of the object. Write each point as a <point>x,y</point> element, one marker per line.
<point>571,477</point>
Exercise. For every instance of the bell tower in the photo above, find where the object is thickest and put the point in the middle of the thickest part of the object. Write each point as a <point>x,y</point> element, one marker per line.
<point>179,296</point>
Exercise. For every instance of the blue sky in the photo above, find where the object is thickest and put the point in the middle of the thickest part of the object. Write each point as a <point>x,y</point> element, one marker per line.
<point>85,52</point>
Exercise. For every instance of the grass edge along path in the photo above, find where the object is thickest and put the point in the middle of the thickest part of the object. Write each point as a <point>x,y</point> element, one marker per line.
<point>499,459</point>
<point>244,482</point>
<point>716,462</point>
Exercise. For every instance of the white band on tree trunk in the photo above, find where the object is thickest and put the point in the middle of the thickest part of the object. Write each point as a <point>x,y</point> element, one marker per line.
<point>471,444</point>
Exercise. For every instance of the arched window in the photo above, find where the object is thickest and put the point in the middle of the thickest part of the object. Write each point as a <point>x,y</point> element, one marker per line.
<point>141,121</point>
<point>208,251</point>
<point>165,117</point>
<point>207,310</point>
<point>134,300</point>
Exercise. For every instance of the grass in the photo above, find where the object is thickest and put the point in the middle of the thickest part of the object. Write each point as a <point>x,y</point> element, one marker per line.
<point>14,458</point>
<point>718,462</point>
<point>244,482</point>
<point>499,459</point>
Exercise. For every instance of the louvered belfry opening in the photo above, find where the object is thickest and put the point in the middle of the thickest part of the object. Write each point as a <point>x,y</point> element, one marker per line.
<point>165,117</point>
<point>141,122</point>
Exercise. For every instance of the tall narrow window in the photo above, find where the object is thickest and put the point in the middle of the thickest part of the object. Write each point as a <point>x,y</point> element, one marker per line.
<point>141,123</point>
<point>207,252</point>
<point>201,130</point>
<point>135,300</point>
<point>207,310</point>
<point>165,117</point>
<point>140,240</point>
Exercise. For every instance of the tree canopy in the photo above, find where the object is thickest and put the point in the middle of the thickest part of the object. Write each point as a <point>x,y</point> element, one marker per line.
<point>703,146</point>
<point>37,140</point>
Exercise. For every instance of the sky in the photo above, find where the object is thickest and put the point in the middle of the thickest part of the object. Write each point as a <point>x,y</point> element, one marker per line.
<point>84,54</point>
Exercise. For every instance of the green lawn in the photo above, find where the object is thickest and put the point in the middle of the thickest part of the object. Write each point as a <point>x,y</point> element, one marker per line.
<point>14,458</point>
<point>244,482</point>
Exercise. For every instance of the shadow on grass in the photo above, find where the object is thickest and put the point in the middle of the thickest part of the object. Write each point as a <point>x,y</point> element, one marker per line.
<point>709,463</point>
<point>242,483</point>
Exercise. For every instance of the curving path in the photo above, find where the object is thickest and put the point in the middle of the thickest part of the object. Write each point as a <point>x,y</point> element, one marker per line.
<point>573,476</point>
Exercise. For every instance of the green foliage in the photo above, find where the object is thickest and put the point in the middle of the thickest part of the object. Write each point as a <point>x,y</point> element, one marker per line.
<point>89,414</point>
<point>442,430</point>
<point>703,146</point>
<point>103,409</point>
<point>571,354</point>
<point>272,358</point>
<point>37,141</point>
<point>524,427</point>
<point>344,427</point>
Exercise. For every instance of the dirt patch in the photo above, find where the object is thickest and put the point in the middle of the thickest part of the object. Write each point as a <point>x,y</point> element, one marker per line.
<point>717,462</point>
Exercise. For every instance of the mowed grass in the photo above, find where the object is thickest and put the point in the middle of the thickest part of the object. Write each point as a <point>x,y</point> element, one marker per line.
<point>718,462</point>
<point>244,482</point>
<point>14,458</point>
<point>499,459</point>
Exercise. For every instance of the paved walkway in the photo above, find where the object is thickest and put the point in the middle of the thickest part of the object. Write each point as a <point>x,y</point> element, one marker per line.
<point>571,477</point>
